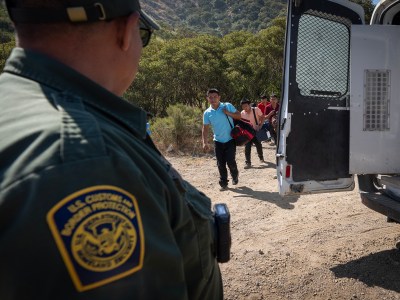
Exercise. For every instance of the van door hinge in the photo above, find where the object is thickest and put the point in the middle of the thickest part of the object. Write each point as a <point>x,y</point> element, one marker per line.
<point>297,3</point>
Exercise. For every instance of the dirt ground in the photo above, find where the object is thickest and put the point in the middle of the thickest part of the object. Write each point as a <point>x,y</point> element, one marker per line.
<point>324,246</point>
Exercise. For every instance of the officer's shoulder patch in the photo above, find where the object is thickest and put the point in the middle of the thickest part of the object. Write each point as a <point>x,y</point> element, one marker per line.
<point>99,233</point>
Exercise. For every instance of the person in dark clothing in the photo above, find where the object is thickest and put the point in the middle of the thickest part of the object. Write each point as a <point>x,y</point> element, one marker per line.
<point>256,118</point>
<point>271,113</point>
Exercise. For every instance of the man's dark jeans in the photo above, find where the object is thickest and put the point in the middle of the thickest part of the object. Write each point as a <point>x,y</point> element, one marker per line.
<point>225,153</point>
<point>247,150</point>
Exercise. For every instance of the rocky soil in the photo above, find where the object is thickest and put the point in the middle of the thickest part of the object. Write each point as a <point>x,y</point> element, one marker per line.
<point>323,246</point>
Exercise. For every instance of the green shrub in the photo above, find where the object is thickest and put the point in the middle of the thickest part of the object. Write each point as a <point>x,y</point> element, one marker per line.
<point>180,130</point>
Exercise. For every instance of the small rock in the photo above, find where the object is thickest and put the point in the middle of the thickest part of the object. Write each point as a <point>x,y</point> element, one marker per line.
<point>261,252</point>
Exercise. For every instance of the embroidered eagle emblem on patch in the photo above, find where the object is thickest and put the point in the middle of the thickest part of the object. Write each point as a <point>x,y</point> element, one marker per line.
<point>100,236</point>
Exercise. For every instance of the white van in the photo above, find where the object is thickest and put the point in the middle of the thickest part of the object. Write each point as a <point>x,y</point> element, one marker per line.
<point>340,110</point>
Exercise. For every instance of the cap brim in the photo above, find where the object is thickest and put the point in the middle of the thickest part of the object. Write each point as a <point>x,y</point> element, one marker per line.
<point>149,20</point>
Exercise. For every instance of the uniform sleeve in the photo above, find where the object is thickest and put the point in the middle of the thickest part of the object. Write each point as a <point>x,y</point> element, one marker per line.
<point>106,227</point>
<point>90,210</point>
<point>201,269</point>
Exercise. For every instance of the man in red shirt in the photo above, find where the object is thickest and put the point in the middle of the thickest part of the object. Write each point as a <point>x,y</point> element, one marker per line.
<point>263,104</point>
<point>271,113</point>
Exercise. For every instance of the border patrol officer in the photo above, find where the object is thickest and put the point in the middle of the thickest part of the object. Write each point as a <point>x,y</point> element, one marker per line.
<point>89,209</point>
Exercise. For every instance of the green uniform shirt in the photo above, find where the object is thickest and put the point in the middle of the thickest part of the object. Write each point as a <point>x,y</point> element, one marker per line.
<point>88,208</point>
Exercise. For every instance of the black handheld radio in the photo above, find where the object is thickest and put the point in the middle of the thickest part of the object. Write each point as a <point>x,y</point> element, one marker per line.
<point>222,220</point>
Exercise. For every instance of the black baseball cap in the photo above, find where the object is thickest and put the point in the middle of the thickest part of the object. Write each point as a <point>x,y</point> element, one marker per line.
<point>77,11</point>
<point>213,90</point>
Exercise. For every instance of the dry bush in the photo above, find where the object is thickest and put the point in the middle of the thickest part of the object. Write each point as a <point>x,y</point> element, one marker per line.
<point>180,131</point>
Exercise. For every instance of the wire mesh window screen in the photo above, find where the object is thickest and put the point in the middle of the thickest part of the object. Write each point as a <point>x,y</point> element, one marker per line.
<point>323,55</point>
<point>376,100</point>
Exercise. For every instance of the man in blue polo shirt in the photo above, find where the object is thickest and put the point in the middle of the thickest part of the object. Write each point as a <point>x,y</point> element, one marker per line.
<point>220,116</point>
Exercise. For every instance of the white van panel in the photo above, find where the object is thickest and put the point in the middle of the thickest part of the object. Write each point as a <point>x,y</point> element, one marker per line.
<point>375,99</point>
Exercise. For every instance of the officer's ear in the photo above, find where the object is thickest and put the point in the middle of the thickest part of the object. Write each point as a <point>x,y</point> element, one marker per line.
<point>130,31</point>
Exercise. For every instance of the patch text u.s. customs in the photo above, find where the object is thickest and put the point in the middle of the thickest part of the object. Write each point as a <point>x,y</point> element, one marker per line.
<point>99,233</point>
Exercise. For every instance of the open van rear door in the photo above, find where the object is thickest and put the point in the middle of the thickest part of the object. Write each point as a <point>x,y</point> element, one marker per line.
<point>313,148</point>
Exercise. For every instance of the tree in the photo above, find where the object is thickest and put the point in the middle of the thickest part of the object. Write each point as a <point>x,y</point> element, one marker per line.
<point>255,66</point>
<point>180,70</point>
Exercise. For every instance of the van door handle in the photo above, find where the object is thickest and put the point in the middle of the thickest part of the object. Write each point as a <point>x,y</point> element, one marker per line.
<point>283,124</point>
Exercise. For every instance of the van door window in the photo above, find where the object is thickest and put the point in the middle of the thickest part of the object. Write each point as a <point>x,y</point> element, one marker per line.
<point>323,56</point>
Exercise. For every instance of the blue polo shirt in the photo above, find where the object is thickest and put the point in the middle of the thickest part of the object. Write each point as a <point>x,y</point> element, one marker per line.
<point>219,121</point>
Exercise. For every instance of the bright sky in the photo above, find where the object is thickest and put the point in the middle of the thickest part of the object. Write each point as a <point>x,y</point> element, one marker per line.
<point>375,1</point>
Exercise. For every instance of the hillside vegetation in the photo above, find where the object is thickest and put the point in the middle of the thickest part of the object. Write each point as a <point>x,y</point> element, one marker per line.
<point>240,64</point>
<point>216,16</point>
<point>235,46</point>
